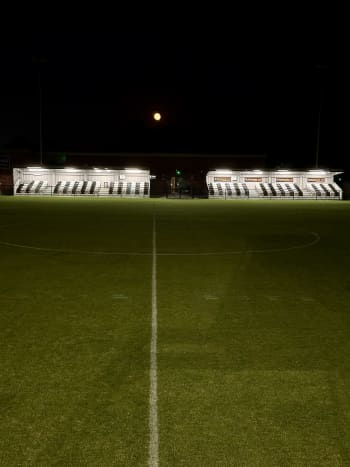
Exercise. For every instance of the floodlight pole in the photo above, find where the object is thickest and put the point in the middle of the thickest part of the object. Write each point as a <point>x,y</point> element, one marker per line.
<point>40,122</point>
<point>39,61</point>
<point>320,68</point>
<point>318,130</point>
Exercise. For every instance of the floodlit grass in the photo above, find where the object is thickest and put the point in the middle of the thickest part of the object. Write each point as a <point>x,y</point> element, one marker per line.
<point>253,345</point>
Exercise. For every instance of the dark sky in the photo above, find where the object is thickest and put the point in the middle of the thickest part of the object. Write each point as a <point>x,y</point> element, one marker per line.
<point>216,94</point>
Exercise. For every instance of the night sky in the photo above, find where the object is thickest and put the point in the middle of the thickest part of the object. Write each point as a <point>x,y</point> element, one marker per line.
<point>217,94</point>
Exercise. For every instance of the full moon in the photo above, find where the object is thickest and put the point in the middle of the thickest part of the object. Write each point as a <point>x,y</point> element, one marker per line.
<point>157,116</point>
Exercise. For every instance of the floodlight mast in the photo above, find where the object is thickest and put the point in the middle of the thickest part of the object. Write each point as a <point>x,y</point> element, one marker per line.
<point>318,131</point>
<point>39,61</point>
<point>40,121</point>
<point>320,68</point>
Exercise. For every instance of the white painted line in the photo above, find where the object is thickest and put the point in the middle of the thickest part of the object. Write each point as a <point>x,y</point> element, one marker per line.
<point>71,251</point>
<point>210,297</point>
<point>307,299</point>
<point>153,396</point>
<point>315,235</point>
<point>272,298</point>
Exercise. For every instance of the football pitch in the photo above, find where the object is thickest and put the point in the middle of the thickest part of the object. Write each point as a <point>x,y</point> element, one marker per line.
<point>174,332</point>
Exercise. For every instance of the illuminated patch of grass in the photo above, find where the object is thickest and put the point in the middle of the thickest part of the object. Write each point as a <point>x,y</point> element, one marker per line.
<point>253,347</point>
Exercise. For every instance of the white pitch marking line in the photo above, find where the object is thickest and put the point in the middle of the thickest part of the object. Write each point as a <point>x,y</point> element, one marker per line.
<point>316,239</point>
<point>85,252</point>
<point>272,298</point>
<point>153,397</point>
<point>210,297</point>
<point>307,299</point>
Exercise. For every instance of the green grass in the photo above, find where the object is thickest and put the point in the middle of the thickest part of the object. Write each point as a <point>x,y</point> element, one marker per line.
<point>253,347</point>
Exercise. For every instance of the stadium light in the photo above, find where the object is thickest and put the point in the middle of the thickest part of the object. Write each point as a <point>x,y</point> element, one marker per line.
<point>283,170</point>
<point>36,169</point>
<point>320,172</point>
<point>133,171</point>
<point>258,171</point>
<point>224,171</point>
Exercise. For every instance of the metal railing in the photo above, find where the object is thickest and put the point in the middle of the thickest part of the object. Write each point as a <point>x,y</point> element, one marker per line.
<point>254,194</point>
<point>8,190</point>
<point>103,192</point>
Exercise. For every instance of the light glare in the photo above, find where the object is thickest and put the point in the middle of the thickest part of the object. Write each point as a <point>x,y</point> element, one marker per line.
<point>133,171</point>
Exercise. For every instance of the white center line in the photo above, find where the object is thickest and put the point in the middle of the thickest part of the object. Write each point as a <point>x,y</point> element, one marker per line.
<point>153,408</point>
